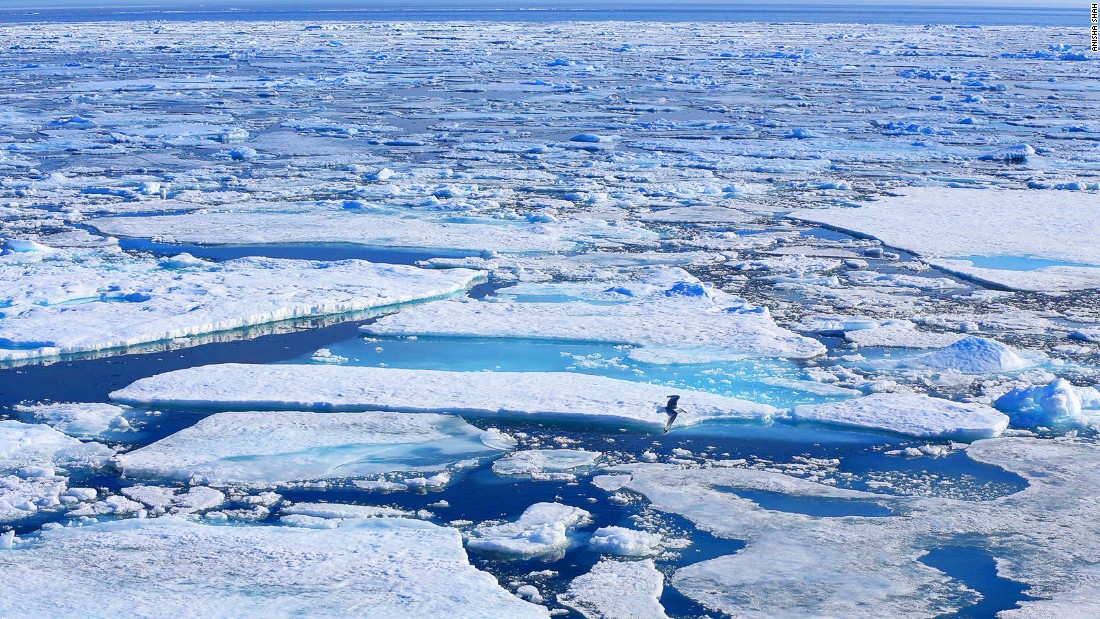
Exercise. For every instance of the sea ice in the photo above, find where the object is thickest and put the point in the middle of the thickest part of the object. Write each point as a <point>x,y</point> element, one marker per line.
<point>946,225</point>
<point>546,464</point>
<point>35,445</point>
<point>103,300</point>
<point>156,567</point>
<point>84,420</point>
<point>625,542</point>
<point>541,530</point>
<point>970,355</point>
<point>910,414</point>
<point>329,387</point>
<point>266,448</point>
<point>671,314</point>
<point>1058,404</point>
<point>618,590</point>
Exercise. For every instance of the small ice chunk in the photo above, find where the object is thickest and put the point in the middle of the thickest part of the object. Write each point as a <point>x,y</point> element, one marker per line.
<point>546,463</point>
<point>618,590</point>
<point>541,530</point>
<point>625,542</point>
<point>1058,404</point>
<point>971,355</point>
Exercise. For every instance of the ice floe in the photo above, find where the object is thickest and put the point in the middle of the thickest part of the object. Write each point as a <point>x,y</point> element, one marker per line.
<point>1059,403</point>
<point>541,530</point>
<point>625,542</point>
<point>35,445</point>
<point>548,464</point>
<point>522,394</point>
<point>267,448</point>
<point>381,567</point>
<point>618,590</point>
<point>672,315</point>
<point>909,414</point>
<point>946,226</point>
<point>85,420</point>
<point>87,303</point>
<point>970,355</point>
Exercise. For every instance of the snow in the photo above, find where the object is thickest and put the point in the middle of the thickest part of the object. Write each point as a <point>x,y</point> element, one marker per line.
<point>1059,403</point>
<point>618,590</point>
<point>971,355</point>
<point>23,495</point>
<point>267,448</point>
<point>101,301</point>
<point>326,387</point>
<point>944,225</point>
<point>546,464</point>
<point>343,511</point>
<point>672,315</point>
<point>909,414</point>
<point>541,530</point>
<point>625,542</point>
<point>383,567</point>
<point>165,499</point>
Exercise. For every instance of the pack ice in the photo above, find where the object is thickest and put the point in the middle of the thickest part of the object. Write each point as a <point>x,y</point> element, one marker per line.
<point>266,448</point>
<point>539,394</point>
<point>909,414</point>
<point>542,529</point>
<point>63,303</point>
<point>156,567</point>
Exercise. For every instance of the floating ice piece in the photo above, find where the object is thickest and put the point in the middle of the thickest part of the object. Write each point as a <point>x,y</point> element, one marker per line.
<point>266,448</point>
<point>541,530</point>
<point>625,542</point>
<point>61,307</point>
<point>909,414</point>
<point>618,590</point>
<point>382,567</point>
<point>86,420</point>
<point>902,334</point>
<point>589,138</point>
<point>34,445</point>
<point>325,355</point>
<point>23,246</point>
<point>23,495</point>
<point>344,511</point>
<point>546,463</point>
<point>1017,153</point>
<point>325,387</point>
<point>676,322</point>
<point>161,499</point>
<point>970,355</point>
<point>944,225</point>
<point>1059,403</point>
<point>345,226</point>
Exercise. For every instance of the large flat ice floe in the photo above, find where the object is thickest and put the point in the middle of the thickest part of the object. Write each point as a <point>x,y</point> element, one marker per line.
<point>671,314</point>
<point>348,388</point>
<point>286,446</point>
<point>60,303</point>
<point>966,230</point>
<point>380,567</point>
<point>909,414</point>
<point>618,590</point>
<point>373,230</point>
<point>795,564</point>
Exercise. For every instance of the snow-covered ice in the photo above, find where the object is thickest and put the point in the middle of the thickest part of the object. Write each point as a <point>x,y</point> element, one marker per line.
<point>522,394</point>
<point>54,307</point>
<point>272,447</point>
<point>541,530</point>
<point>625,542</point>
<point>618,590</point>
<point>36,445</point>
<point>970,355</point>
<point>84,420</point>
<point>382,567</point>
<point>909,414</point>
<point>1055,404</point>
<point>546,463</point>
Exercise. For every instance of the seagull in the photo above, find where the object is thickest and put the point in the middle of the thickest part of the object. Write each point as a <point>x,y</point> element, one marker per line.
<point>671,411</point>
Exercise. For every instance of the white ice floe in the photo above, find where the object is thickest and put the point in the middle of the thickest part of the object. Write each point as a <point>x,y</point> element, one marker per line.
<point>900,334</point>
<point>909,414</point>
<point>541,530</point>
<point>672,315</point>
<point>34,445</point>
<point>379,568</point>
<point>87,420</point>
<point>368,229</point>
<point>265,448</point>
<point>165,499</point>
<point>625,542</point>
<point>949,226</point>
<point>328,387</point>
<point>546,464</point>
<point>970,355</point>
<point>31,489</point>
<point>101,301</point>
<point>618,590</point>
<point>1058,404</point>
<point>345,511</point>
